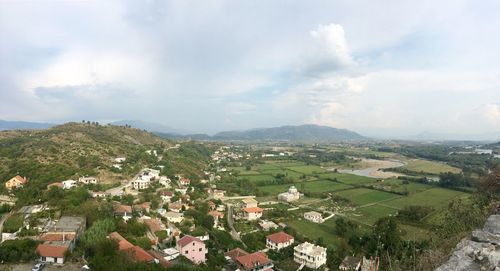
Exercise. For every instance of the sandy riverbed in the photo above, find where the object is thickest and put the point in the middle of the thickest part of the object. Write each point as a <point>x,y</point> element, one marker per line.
<point>373,168</point>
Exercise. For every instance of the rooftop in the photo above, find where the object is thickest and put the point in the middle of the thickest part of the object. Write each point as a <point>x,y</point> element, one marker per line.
<point>252,260</point>
<point>69,224</point>
<point>280,237</point>
<point>187,239</point>
<point>253,210</point>
<point>310,249</point>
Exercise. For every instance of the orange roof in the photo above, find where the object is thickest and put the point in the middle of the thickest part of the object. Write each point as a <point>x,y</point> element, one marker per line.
<point>153,224</point>
<point>253,210</point>
<point>139,254</point>
<point>216,214</point>
<point>57,237</point>
<point>279,237</point>
<point>187,239</point>
<point>235,253</point>
<point>20,179</point>
<point>120,208</point>
<point>252,260</point>
<point>48,250</point>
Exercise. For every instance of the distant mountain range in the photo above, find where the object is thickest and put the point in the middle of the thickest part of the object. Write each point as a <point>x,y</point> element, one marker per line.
<point>301,133</point>
<point>23,125</point>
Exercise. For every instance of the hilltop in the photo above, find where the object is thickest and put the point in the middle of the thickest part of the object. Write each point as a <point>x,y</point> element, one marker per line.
<point>76,149</point>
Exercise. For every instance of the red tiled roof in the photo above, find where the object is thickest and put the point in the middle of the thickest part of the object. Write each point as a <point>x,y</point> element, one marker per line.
<point>279,237</point>
<point>139,254</point>
<point>48,250</point>
<point>143,206</point>
<point>153,224</point>
<point>187,239</point>
<point>120,208</point>
<point>253,210</point>
<point>21,179</point>
<point>235,253</point>
<point>252,260</point>
<point>167,193</point>
<point>216,214</point>
<point>57,237</point>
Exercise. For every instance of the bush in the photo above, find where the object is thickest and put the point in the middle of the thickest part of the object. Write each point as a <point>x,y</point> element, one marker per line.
<point>18,250</point>
<point>13,223</point>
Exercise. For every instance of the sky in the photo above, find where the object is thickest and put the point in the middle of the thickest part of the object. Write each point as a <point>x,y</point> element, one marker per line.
<point>381,68</point>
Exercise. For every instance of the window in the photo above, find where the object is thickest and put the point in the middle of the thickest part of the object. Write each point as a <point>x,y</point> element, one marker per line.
<point>186,252</point>
<point>200,249</point>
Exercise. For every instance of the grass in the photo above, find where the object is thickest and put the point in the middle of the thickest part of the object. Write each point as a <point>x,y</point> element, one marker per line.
<point>260,177</point>
<point>348,178</point>
<point>307,169</point>
<point>435,197</point>
<point>426,166</point>
<point>313,186</point>
<point>372,213</point>
<point>362,196</point>
<point>398,186</point>
<point>313,231</point>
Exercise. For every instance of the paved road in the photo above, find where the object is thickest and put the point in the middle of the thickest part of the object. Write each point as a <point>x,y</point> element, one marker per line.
<point>230,222</point>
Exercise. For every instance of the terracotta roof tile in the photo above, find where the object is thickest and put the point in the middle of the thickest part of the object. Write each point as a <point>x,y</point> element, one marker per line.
<point>253,210</point>
<point>252,260</point>
<point>187,239</point>
<point>280,237</point>
<point>49,250</point>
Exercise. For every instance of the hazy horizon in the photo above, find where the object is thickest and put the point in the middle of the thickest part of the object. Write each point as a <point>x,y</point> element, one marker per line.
<point>415,68</point>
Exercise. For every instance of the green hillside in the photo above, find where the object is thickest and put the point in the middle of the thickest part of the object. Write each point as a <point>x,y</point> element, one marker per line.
<point>77,149</point>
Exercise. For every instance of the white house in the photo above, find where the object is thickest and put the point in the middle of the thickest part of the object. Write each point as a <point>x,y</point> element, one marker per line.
<point>291,195</point>
<point>252,213</point>
<point>314,217</point>
<point>249,203</point>
<point>68,184</point>
<point>166,182</point>
<point>140,184</point>
<point>279,240</point>
<point>88,180</point>
<point>174,217</point>
<point>309,254</point>
<point>166,196</point>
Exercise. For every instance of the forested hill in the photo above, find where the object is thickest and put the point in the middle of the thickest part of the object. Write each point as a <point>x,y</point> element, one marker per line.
<point>77,149</point>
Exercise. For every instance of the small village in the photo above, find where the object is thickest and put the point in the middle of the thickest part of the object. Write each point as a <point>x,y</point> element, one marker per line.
<point>174,219</point>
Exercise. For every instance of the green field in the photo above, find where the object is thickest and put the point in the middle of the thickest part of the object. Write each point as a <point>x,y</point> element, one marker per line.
<point>398,186</point>
<point>307,169</point>
<point>348,178</point>
<point>313,186</point>
<point>314,231</point>
<point>254,178</point>
<point>362,196</point>
<point>435,197</point>
<point>426,166</point>
<point>370,214</point>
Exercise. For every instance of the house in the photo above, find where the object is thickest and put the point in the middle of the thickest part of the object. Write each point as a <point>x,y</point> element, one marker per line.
<point>217,216</point>
<point>279,240</point>
<point>174,217</point>
<point>140,184</point>
<point>135,253</point>
<point>175,206</point>
<point>88,180</point>
<point>370,264</point>
<point>60,238</point>
<point>184,181</point>
<point>154,224</point>
<point>218,194</point>
<point>123,211</point>
<point>68,184</point>
<point>56,184</point>
<point>249,203</point>
<point>313,217</point>
<point>15,182</point>
<point>257,261</point>
<point>310,255</point>
<point>143,207</point>
<point>182,191</point>
<point>252,213</point>
<point>350,264</point>
<point>211,205</point>
<point>268,225</point>
<point>99,194</point>
<point>192,248</point>
<point>165,181</point>
<point>291,195</point>
<point>166,196</point>
<point>233,254</point>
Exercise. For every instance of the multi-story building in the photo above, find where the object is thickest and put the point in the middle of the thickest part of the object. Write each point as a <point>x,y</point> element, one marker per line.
<point>310,255</point>
<point>192,248</point>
